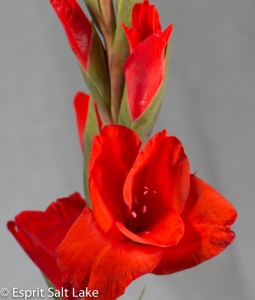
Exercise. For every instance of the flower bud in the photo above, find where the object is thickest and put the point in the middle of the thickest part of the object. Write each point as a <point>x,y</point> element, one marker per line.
<point>89,125</point>
<point>87,46</point>
<point>145,68</point>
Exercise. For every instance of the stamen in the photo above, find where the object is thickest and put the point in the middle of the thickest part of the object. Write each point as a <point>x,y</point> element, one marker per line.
<point>144,209</point>
<point>155,192</point>
<point>146,188</point>
<point>133,214</point>
<point>145,192</point>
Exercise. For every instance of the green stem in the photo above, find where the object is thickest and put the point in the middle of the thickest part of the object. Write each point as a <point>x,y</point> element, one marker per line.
<point>140,298</point>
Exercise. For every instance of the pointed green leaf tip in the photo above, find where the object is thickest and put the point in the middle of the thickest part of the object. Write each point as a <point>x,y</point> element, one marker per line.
<point>140,298</point>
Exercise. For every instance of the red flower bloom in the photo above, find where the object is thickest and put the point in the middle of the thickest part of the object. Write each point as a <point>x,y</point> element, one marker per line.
<point>149,215</point>
<point>81,106</point>
<point>145,67</point>
<point>77,27</point>
<point>40,233</point>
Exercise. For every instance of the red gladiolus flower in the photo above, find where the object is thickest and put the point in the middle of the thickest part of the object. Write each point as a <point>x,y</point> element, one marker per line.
<point>149,215</point>
<point>40,233</point>
<point>145,67</point>
<point>81,106</point>
<point>77,27</point>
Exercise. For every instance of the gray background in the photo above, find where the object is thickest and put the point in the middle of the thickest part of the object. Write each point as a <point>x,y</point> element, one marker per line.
<point>209,104</point>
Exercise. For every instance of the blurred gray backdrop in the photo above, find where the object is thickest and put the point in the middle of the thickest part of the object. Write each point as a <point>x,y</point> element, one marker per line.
<point>209,105</point>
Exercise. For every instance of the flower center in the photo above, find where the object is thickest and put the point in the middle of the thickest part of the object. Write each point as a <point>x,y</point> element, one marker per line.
<point>141,210</point>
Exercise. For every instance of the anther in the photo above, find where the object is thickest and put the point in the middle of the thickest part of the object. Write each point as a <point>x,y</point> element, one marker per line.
<point>133,214</point>
<point>144,209</point>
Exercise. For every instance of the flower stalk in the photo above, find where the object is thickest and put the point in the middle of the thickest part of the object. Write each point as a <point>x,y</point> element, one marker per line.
<point>141,296</point>
<point>144,211</point>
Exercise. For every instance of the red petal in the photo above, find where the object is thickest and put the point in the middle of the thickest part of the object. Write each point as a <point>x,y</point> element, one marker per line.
<point>207,217</point>
<point>132,36</point>
<point>135,15</point>
<point>90,257</point>
<point>144,71</point>
<point>40,233</point>
<point>77,27</point>
<point>112,155</point>
<point>168,32</point>
<point>145,19</point>
<point>160,173</point>
<point>81,106</point>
